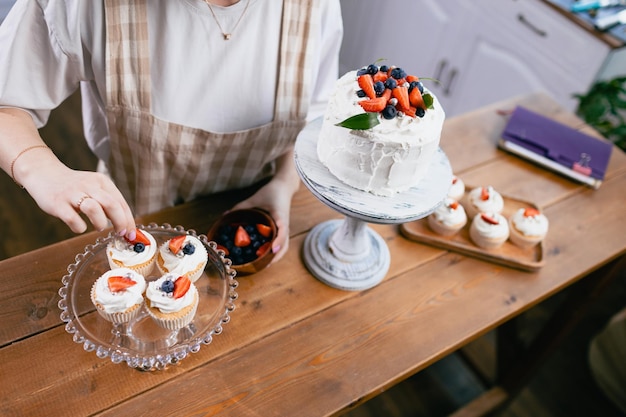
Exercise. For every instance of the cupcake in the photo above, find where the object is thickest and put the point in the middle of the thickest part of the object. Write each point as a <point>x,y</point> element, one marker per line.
<point>457,189</point>
<point>172,301</point>
<point>483,200</point>
<point>118,294</point>
<point>182,255</point>
<point>528,227</point>
<point>138,255</point>
<point>489,230</point>
<point>448,218</point>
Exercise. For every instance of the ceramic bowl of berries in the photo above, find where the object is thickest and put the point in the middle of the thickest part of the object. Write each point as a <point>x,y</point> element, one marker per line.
<point>246,238</point>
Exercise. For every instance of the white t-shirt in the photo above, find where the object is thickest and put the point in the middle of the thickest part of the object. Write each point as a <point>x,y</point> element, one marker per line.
<point>50,47</point>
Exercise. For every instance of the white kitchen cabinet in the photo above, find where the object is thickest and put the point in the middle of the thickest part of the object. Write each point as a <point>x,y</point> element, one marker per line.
<point>405,33</point>
<point>481,51</point>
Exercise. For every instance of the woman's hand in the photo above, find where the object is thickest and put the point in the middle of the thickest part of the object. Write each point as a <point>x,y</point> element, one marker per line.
<point>57,189</point>
<point>66,194</point>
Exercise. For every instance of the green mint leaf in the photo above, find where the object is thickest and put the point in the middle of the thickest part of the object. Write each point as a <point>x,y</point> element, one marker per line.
<point>428,101</point>
<point>361,121</point>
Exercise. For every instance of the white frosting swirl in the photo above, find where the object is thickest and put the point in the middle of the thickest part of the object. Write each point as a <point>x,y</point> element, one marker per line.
<point>121,250</point>
<point>448,215</point>
<point>119,301</point>
<point>180,264</point>
<point>489,230</point>
<point>494,202</point>
<point>165,302</point>
<point>457,188</point>
<point>536,225</point>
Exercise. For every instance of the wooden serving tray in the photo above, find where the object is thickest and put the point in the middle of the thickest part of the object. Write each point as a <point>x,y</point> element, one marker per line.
<point>508,254</point>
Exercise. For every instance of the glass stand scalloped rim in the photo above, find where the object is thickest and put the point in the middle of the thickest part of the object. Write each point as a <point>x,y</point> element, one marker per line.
<point>142,344</point>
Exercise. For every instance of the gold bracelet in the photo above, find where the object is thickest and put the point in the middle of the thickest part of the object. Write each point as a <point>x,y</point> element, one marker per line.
<point>20,154</point>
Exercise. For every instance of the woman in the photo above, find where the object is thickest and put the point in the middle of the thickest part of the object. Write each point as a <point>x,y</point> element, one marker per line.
<point>180,99</point>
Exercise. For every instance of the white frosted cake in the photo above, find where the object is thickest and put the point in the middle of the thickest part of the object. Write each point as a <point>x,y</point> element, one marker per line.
<point>380,131</point>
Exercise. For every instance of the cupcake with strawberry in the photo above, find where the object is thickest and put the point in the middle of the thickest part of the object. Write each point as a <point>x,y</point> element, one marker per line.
<point>483,200</point>
<point>172,301</point>
<point>457,189</point>
<point>138,254</point>
<point>118,295</point>
<point>528,227</point>
<point>182,255</point>
<point>489,230</point>
<point>448,218</point>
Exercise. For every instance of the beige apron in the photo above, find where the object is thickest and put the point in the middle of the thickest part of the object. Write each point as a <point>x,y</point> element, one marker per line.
<point>157,164</point>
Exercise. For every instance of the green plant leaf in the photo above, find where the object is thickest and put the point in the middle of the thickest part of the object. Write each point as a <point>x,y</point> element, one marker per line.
<point>361,121</point>
<point>428,101</point>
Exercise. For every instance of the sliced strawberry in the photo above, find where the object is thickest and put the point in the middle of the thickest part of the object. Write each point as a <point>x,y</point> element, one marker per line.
<point>176,243</point>
<point>400,81</point>
<point>242,238</point>
<point>264,230</point>
<point>263,249</point>
<point>140,238</point>
<point>181,286</point>
<point>489,219</point>
<point>402,94</point>
<point>454,180</point>
<point>386,94</point>
<point>374,105</point>
<point>366,82</point>
<point>416,99</point>
<point>531,212</point>
<point>119,283</point>
<point>226,251</point>
<point>484,194</point>
<point>453,205</point>
<point>380,76</point>
<point>411,78</point>
<point>411,112</point>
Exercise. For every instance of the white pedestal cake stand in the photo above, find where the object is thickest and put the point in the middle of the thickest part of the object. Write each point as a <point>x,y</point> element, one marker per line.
<point>347,254</point>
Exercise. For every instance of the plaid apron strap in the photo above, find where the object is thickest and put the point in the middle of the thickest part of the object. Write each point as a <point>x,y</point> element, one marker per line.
<point>296,61</point>
<point>128,63</point>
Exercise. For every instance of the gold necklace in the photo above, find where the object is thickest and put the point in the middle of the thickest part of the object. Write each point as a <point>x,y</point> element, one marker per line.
<point>225,34</point>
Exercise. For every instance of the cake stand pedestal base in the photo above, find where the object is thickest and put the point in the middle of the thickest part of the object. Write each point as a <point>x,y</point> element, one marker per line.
<point>346,254</point>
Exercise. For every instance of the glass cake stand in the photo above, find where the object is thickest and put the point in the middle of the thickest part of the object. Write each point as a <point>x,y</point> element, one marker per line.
<point>142,344</point>
<point>347,254</point>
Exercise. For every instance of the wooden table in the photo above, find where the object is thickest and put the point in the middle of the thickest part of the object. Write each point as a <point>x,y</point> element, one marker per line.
<point>295,346</point>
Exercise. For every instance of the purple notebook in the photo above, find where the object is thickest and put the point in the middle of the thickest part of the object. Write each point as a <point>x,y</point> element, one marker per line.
<point>556,146</point>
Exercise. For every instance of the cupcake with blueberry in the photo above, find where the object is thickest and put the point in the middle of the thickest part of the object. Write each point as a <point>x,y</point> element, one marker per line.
<point>118,294</point>
<point>457,189</point>
<point>448,218</point>
<point>528,227</point>
<point>172,301</point>
<point>182,255</point>
<point>483,200</point>
<point>138,254</point>
<point>489,230</point>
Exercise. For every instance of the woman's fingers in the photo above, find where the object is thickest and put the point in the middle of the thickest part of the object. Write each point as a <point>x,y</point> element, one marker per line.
<point>281,242</point>
<point>112,206</point>
<point>92,208</point>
